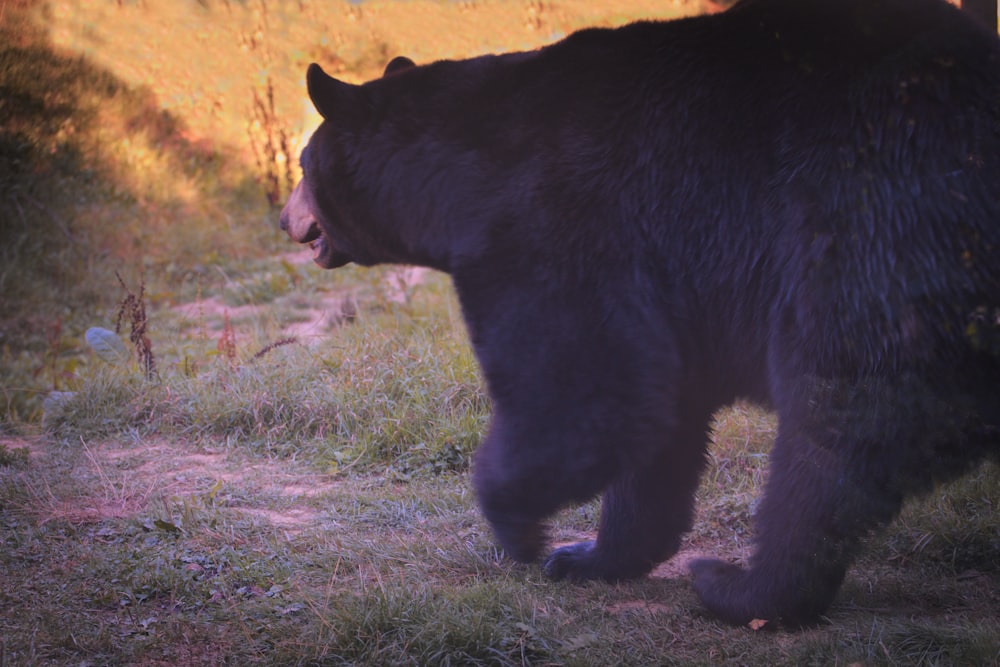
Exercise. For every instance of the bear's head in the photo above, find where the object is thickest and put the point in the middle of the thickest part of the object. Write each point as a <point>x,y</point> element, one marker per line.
<point>318,212</point>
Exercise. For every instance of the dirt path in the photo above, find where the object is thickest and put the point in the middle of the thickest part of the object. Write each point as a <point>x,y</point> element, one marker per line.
<point>128,478</point>
<point>133,477</point>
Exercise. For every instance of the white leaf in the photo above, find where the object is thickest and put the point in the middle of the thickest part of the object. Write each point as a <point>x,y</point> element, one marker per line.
<point>107,345</point>
<point>55,399</point>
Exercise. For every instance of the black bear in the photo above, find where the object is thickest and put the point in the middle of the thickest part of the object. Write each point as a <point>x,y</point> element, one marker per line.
<point>793,201</point>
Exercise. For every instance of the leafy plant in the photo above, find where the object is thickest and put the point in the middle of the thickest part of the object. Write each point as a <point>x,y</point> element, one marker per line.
<point>269,140</point>
<point>132,308</point>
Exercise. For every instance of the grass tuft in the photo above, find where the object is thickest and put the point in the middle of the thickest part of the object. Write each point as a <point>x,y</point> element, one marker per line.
<point>398,391</point>
<point>13,456</point>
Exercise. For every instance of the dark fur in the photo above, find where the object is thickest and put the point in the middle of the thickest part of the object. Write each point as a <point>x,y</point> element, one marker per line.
<point>795,201</point>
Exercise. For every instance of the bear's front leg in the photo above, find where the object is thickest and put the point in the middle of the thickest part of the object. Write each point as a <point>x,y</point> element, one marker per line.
<point>523,475</point>
<point>644,513</point>
<point>582,382</point>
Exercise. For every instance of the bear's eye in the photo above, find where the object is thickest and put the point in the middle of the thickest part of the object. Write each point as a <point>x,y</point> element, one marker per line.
<point>304,158</point>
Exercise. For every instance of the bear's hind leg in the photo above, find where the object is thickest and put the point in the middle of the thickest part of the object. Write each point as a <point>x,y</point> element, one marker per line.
<point>808,530</point>
<point>846,456</point>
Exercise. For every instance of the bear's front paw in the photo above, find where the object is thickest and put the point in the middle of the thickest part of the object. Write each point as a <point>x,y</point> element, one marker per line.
<point>574,562</point>
<point>584,560</point>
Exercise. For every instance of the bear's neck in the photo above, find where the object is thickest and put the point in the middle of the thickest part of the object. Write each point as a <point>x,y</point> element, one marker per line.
<point>433,205</point>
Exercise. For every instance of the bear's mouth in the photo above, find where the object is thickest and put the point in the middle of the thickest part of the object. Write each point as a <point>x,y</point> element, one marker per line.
<point>298,220</point>
<point>324,253</point>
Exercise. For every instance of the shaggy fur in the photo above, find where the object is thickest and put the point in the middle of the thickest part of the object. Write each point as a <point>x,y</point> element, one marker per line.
<point>794,201</point>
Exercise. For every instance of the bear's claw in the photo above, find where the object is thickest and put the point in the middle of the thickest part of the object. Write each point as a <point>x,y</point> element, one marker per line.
<point>570,562</point>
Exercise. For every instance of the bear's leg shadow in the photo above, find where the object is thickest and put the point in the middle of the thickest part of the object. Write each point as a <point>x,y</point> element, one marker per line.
<point>644,512</point>
<point>842,464</point>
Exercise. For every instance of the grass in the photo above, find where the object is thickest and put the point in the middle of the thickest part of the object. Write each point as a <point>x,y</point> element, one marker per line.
<point>400,389</point>
<point>150,550</point>
<point>289,487</point>
<point>293,510</point>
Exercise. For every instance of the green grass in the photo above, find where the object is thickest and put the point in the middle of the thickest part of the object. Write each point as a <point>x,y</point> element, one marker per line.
<point>175,535</point>
<point>398,388</point>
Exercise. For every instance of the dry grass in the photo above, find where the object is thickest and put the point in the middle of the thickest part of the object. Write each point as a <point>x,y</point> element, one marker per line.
<point>247,43</point>
<point>113,498</point>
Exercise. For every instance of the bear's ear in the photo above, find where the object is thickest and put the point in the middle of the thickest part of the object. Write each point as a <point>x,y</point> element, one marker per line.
<point>398,64</point>
<point>334,100</point>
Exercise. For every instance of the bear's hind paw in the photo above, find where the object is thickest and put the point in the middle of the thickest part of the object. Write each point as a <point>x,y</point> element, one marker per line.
<point>749,597</point>
<point>720,585</point>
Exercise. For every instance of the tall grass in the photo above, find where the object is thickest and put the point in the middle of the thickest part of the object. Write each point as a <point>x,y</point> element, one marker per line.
<point>397,388</point>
